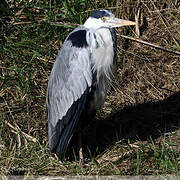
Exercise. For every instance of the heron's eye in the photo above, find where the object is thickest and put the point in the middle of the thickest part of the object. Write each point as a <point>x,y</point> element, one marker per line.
<point>103,19</point>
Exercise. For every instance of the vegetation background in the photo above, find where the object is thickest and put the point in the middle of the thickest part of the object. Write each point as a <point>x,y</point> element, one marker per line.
<point>137,132</point>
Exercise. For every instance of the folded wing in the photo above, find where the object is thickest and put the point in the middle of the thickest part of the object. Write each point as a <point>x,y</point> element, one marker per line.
<point>68,88</point>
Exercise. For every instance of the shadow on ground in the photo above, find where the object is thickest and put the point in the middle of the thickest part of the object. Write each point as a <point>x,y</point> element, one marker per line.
<point>140,122</point>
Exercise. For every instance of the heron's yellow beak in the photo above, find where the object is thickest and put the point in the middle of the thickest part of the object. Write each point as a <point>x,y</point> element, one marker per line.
<point>116,22</point>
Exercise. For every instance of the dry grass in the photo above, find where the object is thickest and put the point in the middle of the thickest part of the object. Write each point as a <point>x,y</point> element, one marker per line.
<point>137,130</point>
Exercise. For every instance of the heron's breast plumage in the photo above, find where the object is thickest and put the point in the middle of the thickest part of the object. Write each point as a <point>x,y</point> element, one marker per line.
<point>102,56</point>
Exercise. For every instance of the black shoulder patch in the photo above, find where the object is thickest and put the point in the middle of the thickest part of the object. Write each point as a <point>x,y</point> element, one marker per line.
<point>78,38</point>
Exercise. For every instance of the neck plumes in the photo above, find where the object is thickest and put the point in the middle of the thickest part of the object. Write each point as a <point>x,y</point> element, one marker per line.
<point>102,53</point>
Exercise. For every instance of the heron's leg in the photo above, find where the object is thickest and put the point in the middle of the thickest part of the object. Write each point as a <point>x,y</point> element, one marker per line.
<point>80,148</point>
<point>80,144</point>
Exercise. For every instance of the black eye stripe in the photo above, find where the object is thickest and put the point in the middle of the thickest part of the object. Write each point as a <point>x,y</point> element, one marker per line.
<point>100,13</point>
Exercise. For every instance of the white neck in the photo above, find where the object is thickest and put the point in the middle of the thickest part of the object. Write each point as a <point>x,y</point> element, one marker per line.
<point>93,23</point>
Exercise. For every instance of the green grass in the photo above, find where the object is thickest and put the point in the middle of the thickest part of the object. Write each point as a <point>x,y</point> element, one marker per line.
<point>139,139</point>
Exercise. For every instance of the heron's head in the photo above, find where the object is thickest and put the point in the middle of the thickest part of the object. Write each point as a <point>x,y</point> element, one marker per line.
<point>104,18</point>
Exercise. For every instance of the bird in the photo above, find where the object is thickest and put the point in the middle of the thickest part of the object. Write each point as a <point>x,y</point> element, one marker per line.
<point>80,77</point>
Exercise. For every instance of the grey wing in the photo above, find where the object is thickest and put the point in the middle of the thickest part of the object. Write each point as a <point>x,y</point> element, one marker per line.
<point>68,87</point>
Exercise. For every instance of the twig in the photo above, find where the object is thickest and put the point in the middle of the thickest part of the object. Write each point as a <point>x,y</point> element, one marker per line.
<point>137,17</point>
<point>20,23</point>
<point>65,24</point>
<point>152,45</point>
<point>30,138</point>
<point>18,140</point>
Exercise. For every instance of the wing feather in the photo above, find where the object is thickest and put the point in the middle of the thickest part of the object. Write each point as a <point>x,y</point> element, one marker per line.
<point>68,87</point>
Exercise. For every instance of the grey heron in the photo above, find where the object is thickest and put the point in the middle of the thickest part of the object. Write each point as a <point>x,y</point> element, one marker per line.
<point>81,76</point>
